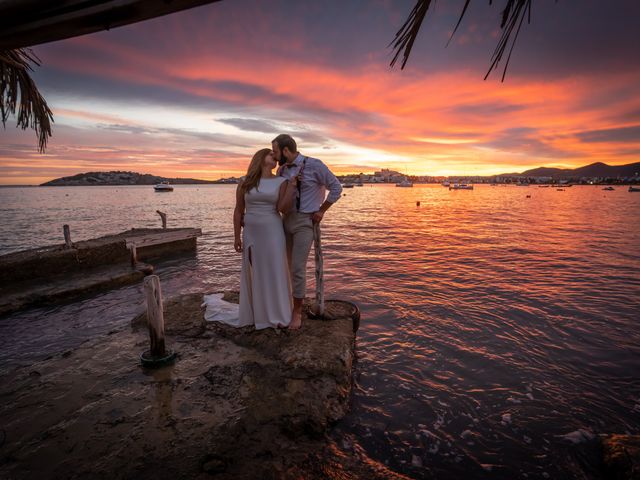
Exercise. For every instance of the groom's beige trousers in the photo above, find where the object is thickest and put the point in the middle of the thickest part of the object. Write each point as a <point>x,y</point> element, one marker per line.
<point>298,229</point>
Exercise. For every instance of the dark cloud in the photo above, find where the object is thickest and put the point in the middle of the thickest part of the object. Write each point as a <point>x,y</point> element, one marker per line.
<point>625,116</point>
<point>612,135</point>
<point>563,38</point>
<point>630,152</point>
<point>250,124</point>
<point>183,134</point>
<point>131,129</point>
<point>525,140</point>
<point>15,149</point>
<point>227,96</point>
<point>486,109</point>
<point>308,137</point>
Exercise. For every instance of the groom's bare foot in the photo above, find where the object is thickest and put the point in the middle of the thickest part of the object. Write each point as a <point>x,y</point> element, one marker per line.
<point>296,320</point>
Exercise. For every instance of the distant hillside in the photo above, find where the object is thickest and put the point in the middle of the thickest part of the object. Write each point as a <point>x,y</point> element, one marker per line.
<point>118,178</point>
<point>598,169</point>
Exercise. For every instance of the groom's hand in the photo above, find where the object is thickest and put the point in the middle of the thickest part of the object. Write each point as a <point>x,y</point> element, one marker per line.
<point>237,245</point>
<point>317,216</point>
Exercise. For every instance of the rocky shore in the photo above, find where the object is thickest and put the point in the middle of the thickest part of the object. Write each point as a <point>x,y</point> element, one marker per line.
<point>238,403</point>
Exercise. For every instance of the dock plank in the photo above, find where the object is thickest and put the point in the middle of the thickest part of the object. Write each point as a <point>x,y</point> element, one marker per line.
<point>157,238</point>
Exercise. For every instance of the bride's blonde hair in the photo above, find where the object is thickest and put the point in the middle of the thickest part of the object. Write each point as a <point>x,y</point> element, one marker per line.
<point>252,178</point>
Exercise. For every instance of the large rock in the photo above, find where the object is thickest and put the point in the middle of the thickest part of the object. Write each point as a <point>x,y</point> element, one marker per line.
<point>238,403</point>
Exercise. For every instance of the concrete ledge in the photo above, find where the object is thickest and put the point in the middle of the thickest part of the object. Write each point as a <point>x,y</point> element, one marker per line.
<point>67,287</point>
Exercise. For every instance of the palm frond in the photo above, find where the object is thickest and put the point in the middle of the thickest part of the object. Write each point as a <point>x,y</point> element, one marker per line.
<point>464,10</point>
<point>18,92</point>
<point>408,33</point>
<point>513,16</point>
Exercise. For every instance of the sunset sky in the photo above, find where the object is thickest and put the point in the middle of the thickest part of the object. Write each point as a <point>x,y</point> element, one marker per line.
<point>195,94</point>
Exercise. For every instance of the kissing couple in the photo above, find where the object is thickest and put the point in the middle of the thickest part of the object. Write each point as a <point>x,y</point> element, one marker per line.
<point>273,222</point>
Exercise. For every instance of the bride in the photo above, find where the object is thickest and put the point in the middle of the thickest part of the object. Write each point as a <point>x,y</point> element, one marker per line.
<point>265,285</point>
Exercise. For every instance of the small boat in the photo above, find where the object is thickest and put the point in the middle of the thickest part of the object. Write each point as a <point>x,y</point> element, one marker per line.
<point>460,186</point>
<point>404,183</point>
<point>609,189</point>
<point>543,186</point>
<point>559,189</point>
<point>446,183</point>
<point>634,189</point>
<point>522,184</point>
<point>359,184</point>
<point>347,185</point>
<point>163,187</point>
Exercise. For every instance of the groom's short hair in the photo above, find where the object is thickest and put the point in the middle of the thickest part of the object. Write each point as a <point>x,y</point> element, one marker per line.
<point>283,140</point>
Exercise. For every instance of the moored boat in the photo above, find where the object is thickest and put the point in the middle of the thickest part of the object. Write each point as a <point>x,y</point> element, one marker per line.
<point>460,186</point>
<point>163,187</point>
<point>634,189</point>
<point>404,183</point>
<point>608,188</point>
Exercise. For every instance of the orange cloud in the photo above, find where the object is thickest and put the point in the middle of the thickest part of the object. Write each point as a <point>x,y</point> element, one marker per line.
<point>362,117</point>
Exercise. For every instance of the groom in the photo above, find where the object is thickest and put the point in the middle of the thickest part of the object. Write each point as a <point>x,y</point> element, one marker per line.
<point>314,179</point>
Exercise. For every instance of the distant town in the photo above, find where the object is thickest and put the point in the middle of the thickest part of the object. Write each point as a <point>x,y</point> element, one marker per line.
<point>392,176</point>
<point>594,174</point>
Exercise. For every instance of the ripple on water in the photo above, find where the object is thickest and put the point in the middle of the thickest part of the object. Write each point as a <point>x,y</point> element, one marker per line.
<point>493,327</point>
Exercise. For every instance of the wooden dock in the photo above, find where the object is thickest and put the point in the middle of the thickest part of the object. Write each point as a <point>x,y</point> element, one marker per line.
<point>144,243</point>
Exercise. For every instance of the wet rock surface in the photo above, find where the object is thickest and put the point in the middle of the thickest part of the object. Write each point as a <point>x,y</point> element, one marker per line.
<point>238,403</point>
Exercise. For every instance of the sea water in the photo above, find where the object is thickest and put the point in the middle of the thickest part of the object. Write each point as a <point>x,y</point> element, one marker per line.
<point>500,326</point>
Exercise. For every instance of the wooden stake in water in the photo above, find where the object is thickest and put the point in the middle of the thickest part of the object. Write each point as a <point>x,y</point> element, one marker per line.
<point>67,236</point>
<point>134,255</point>
<point>319,270</point>
<point>163,216</point>
<point>155,316</point>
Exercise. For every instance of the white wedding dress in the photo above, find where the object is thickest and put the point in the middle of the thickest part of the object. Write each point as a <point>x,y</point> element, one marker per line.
<point>265,285</point>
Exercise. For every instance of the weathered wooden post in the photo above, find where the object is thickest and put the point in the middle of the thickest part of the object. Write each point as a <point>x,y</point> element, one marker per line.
<point>319,270</point>
<point>157,354</point>
<point>134,255</point>
<point>67,236</point>
<point>163,216</point>
<point>155,315</point>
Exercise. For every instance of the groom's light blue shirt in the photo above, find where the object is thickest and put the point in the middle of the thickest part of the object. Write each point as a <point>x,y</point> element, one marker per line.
<point>316,180</point>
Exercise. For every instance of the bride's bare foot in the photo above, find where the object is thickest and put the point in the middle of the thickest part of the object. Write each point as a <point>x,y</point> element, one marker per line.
<point>296,320</point>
